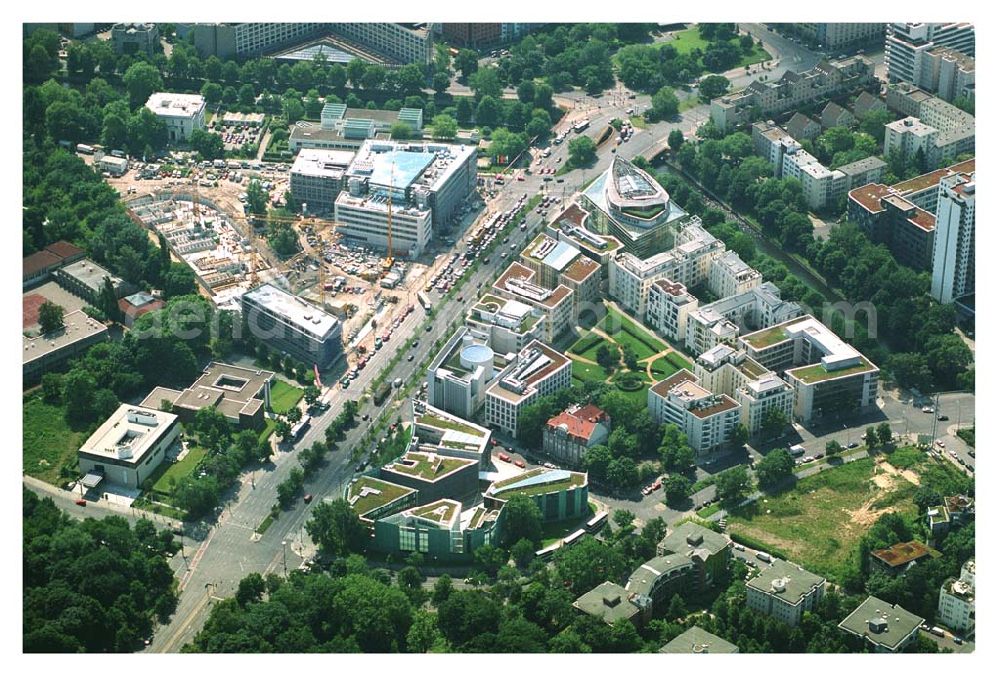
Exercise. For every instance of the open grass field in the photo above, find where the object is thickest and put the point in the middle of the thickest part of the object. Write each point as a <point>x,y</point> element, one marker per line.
<point>688,40</point>
<point>818,522</point>
<point>625,332</point>
<point>49,442</point>
<point>662,368</point>
<point>284,396</point>
<point>179,470</point>
<point>587,372</point>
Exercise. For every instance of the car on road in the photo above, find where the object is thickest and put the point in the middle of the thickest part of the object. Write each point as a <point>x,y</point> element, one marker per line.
<point>504,457</point>
<point>307,498</point>
<point>409,358</point>
<point>853,445</point>
<point>80,502</point>
<point>519,463</point>
<point>928,410</point>
<point>738,546</point>
<point>365,416</point>
<point>763,557</point>
<point>943,417</point>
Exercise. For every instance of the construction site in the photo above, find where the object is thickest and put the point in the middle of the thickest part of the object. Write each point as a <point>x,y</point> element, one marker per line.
<point>206,228</point>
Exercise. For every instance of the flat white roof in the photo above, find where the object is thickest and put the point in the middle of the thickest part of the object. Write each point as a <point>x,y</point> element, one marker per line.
<point>169,104</point>
<point>293,309</point>
<point>77,326</point>
<point>835,348</point>
<point>322,163</point>
<point>128,433</point>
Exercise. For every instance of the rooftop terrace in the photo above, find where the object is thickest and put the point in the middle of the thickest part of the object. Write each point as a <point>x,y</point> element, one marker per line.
<point>369,493</point>
<point>428,467</point>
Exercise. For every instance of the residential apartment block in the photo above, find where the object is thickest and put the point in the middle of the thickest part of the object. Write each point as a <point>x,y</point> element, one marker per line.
<point>953,273</point>
<point>757,308</point>
<point>792,90</point>
<point>821,187</point>
<point>841,34</point>
<point>827,374</point>
<point>706,418</point>
<point>556,306</point>
<point>957,600</point>
<point>668,307</point>
<point>538,371</point>
<point>883,627</point>
<point>945,131</point>
<point>559,263</point>
<point>784,591</point>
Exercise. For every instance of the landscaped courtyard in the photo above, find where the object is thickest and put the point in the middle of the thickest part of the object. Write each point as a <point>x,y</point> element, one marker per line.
<point>284,396</point>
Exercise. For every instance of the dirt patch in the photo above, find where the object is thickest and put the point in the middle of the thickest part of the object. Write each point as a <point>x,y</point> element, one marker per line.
<point>865,516</point>
<point>884,482</point>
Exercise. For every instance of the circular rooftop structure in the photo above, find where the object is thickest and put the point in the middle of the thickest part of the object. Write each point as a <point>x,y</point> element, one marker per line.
<point>476,355</point>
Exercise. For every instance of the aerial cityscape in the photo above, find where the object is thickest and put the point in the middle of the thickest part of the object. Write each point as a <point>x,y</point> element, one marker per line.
<point>498,338</point>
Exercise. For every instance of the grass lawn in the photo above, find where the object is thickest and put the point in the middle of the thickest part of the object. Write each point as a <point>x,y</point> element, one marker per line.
<point>284,396</point>
<point>638,121</point>
<point>906,457</point>
<point>555,531</point>
<point>818,522</point>
<point>269,425</point>
<point>679,361</point>
<point>587,372</point>
<point>708,511</point>
<point>688,39</point>
<point>179,470</point>
<point>626,332</point>
<point>663,368</point>
<point>49,442</point>
<point>585,343</point>
<point>688,104</point>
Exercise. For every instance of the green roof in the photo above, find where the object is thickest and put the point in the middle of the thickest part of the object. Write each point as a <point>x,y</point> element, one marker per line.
<point>766,337</point>
<point>696,640</point>
<point>423,467</point>
<point>691,536</point>
<point>608,601</point>
<point>448,424</point>
<point>794,582</point>
<point>387,493</point>
<point>575,479</point>
<point>814,373</point>
<point>448,510</point>
<point>881,623</point>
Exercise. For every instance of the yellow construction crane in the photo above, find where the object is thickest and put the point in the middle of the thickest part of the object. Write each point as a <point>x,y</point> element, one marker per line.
<point>387,264</point>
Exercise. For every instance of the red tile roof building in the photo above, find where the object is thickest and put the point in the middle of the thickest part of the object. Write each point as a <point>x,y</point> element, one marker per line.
<point>568,435</point>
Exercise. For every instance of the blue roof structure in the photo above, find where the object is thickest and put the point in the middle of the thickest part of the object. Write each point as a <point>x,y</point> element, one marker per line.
<point>561,256</point>
<point>399,168</point>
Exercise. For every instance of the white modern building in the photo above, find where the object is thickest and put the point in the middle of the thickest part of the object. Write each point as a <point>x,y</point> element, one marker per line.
<point>668,307</point>
<point>128,447</point>
<point>784,591</point>
<point>426,184</point>
<point>707,419</point>
<point>317,177</point>
<point>182,113</point>
<point>506,325</point>
<point>821,186</point>
<point>459,375</point>
<point>907,43</point>
<point>957,600</point>
<point>729,275</point>
<point>954,270</point>
<point>539,370</point>
<point>291,325</point>
<point>827,374</point>
<point>757,308</point>
<point>555,306</point>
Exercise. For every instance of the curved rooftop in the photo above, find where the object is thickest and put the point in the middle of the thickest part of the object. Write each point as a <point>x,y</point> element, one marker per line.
<point>635,193</point>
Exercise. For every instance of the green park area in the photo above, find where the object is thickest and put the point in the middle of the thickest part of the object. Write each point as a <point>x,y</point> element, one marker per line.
<point>49,442</point>
<point>284,396</point>
<point>819,522</point>
<point>171,474</point>
<point>688,40</point>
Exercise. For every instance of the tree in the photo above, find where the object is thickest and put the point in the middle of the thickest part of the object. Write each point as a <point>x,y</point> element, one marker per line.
<point>677,609</point>
<point>50,317</point>
<point>832,447</point>
<point>488,111</point>
<point>606,358</point>
<point>773,423</point>
<point>283,429</point>
<point>468,614</point>
<point>588,564</point>
<point>486,82</point>
<point>740,435</point>
<point>39,65</point>
<point>467,61</point>
<point>676,489</point>
<point>442,590</point>
<point>489,559</point>
<point>776,467</point>
<point>141,79</point>
<point>663,106</point>
<point>884,432</point>
<point>582,151</point>
<point>926,497</point>
<point>52,386</point>
<point>523,552</point>
<point>522,520</point>
<point>79,387</point>
<point>440,82</point>
<point>311,394</point>
<point>251,589</point>
<point>675,140</point>
<point>712,87</point>
<point>444,127</point>
<point>401,130</point>
<point>596,461</point>
<point>208,144</point>
<point>256,198</point>
<point>871,438</point>
<point>623,472</point>
<point>731,485</point>
<point>464,109</point>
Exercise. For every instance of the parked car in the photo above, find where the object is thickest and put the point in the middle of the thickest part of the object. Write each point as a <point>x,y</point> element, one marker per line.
<point>519,463</point>
<point>943,417</point>
<point>307,498</point>
<point>81,502</point>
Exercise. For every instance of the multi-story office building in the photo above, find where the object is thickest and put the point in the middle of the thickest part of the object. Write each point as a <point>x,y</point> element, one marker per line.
<point>947,73</point>
<point>560,263</point>
<point>841,35</point>
<point>827,374</point>
<point>128,447</point>
<point>792,90</point>
<point>957,600</point>
<point>706,418</point>
<point>459,375</point>
<point>135,38</point>
<point>289,324</point>
<point>245,40</point>
<point>709,550</point>
<point>433,475</point>
<point>901,216</point>
<point>953,273</point>
<point>372,498</point>
<point>556,306</point>
<point>484,34</point>
<point>182,113</point>
<point>883,627</point>
<point>538,371</point>
<point>907,43</point>
<point>567,435</point>
<point>668,307</point>
<point>628,204</point>
<point>343,128</point>
<point>570,226</point>
<point>427,183</point>
<point>439,529</point>
<point>317,177</point>
<point>400,42</point>
<point>688,263</point>
<point>784,591</point>
<point>85,278</point>
<point>506,325</point>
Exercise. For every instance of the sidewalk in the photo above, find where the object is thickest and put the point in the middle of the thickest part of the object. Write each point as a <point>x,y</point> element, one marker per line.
<point>61,494</point>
